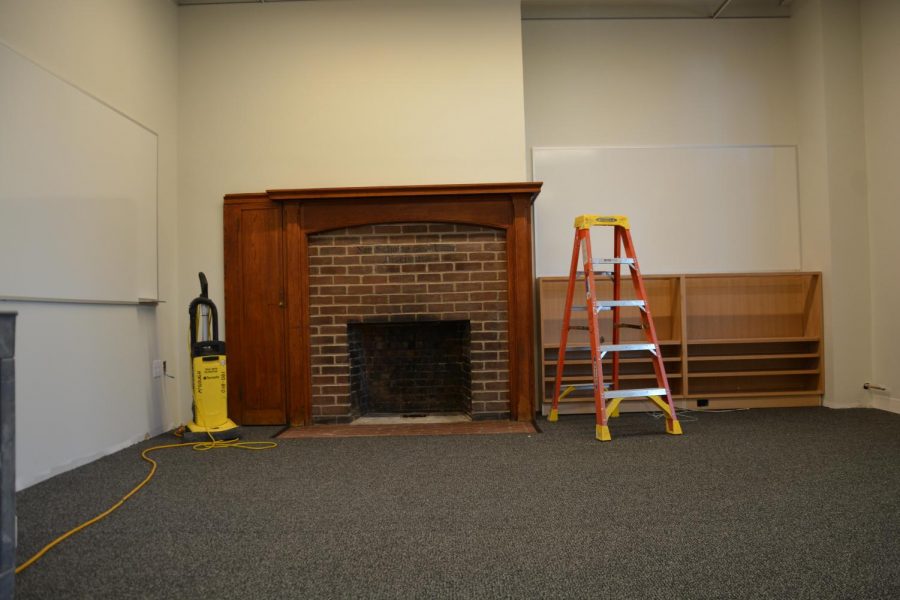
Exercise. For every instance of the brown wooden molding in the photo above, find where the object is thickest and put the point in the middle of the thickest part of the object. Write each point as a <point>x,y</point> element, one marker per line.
<point>505,206</point>
<point>459,191</point>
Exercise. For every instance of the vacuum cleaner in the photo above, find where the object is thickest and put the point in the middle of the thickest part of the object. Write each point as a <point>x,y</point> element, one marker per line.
<point>209,383</point>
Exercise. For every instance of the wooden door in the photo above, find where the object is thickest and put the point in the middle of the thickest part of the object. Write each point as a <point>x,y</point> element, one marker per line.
<point>254,315</point>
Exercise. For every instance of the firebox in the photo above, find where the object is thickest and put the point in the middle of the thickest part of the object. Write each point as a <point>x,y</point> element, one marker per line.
<point>420,367</point>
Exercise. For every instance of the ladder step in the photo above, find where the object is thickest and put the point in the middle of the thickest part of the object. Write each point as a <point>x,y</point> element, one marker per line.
<point>630,326</point>
<point>627,347</point>
<point>584,348</point>
<point>607,304</point>
<point>609,274</point>
<point>601,305</point>
<point>642,393</point>
<point>588,386</point>
<point>613,261</point>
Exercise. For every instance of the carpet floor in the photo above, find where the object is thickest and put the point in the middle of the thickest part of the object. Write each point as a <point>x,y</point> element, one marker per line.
<point>778,503</point>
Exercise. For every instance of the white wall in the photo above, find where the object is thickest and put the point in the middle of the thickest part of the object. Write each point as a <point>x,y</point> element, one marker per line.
<point>353,93</point>
<point>658,82</point>
<point>84,387</point>
<point>881,86</point>
<point>825,37</point>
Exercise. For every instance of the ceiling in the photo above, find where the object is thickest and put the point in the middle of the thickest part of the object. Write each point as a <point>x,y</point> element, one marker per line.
<point>619,9</point>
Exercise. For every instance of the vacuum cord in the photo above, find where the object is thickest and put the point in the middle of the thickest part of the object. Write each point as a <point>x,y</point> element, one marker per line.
<point>201,446</point>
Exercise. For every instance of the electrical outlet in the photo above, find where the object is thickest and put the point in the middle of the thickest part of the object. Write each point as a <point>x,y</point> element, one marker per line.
<point>157,368</point>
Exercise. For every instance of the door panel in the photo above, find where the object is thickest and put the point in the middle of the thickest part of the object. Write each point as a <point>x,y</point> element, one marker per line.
<point>261,355</point>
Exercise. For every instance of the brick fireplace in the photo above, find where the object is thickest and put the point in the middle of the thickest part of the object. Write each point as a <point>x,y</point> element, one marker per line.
<point>313,275</point>
<point>420,274</point>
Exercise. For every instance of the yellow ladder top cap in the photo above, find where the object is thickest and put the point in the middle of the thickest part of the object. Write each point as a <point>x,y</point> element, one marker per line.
<point>588,221</point>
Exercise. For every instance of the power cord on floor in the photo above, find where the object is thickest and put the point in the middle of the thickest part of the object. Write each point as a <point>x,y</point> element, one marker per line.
<point>681,414</point>
<point>684,414</point>
<point>213,444</point>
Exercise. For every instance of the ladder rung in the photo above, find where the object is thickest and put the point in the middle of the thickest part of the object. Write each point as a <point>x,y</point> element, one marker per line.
<point>580,327</point>
<point>613,261</point>
<point>587,386</point>
<point>607,304</point>
<point>584,348</point>
<point>601,305</point>
<point>627,347</point>
<point>635,393</point>
<point>630,326</point>
<point>609,274</point>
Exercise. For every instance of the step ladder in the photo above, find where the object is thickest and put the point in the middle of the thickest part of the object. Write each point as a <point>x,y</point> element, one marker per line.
<point>607,397</point>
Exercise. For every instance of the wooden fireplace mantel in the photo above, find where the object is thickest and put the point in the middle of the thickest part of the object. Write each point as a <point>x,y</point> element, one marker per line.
<point>267,281</point>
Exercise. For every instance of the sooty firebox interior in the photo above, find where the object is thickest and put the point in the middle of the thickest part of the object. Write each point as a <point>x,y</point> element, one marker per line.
<point>410,367</point>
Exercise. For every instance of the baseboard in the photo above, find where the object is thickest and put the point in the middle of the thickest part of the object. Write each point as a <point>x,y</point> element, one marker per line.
<point>28,481</point>
<point>885,403</point>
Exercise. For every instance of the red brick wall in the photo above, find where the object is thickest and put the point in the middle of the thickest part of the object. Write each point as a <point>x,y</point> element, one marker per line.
<point>408,272</point>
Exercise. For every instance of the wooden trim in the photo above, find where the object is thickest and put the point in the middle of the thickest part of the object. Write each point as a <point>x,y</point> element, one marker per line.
<point>682,310</point>
<point>759,401</point>
<point>521,312</point>
<point>505,206</point>
<point>323,215</point>
<point>749,274</point>
<point>297,326</point>
<point>246,199</point>
<point>459,192</point>
<point>233,300</point>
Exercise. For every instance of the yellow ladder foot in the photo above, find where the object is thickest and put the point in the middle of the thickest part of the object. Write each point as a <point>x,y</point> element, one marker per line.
<point>603,433</point>
<point>673,427</point>
<point>553,417</point>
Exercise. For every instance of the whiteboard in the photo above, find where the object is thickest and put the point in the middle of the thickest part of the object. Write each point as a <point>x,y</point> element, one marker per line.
<point>693,209</point>
<point>78,192</point>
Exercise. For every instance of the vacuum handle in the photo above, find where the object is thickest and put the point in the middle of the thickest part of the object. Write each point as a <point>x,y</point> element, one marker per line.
<point>204,286</point>
<point>213,315</point>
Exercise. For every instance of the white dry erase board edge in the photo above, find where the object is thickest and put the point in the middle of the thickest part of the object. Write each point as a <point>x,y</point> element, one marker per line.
<point>78,193</point>
<point>693,209</point>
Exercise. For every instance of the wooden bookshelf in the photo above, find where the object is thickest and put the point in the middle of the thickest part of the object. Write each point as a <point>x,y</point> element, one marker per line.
<point>728,340</point>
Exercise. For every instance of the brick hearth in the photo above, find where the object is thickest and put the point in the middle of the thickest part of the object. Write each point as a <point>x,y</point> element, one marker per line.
<point>405,273</point>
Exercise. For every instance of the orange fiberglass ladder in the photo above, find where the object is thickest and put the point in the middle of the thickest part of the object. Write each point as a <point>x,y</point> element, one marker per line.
<point>592,308</point>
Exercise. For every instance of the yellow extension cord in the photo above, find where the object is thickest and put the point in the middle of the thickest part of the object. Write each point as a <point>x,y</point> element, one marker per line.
<point>201,446</point>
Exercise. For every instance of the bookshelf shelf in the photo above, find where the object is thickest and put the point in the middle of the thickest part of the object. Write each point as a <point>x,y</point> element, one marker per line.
<point>736,340</point>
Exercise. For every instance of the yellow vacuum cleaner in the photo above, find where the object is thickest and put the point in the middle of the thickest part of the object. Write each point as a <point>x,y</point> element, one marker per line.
<point>209,381</point>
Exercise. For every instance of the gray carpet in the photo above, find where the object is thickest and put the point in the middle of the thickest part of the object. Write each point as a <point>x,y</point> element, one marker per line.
<point>792,503</point>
